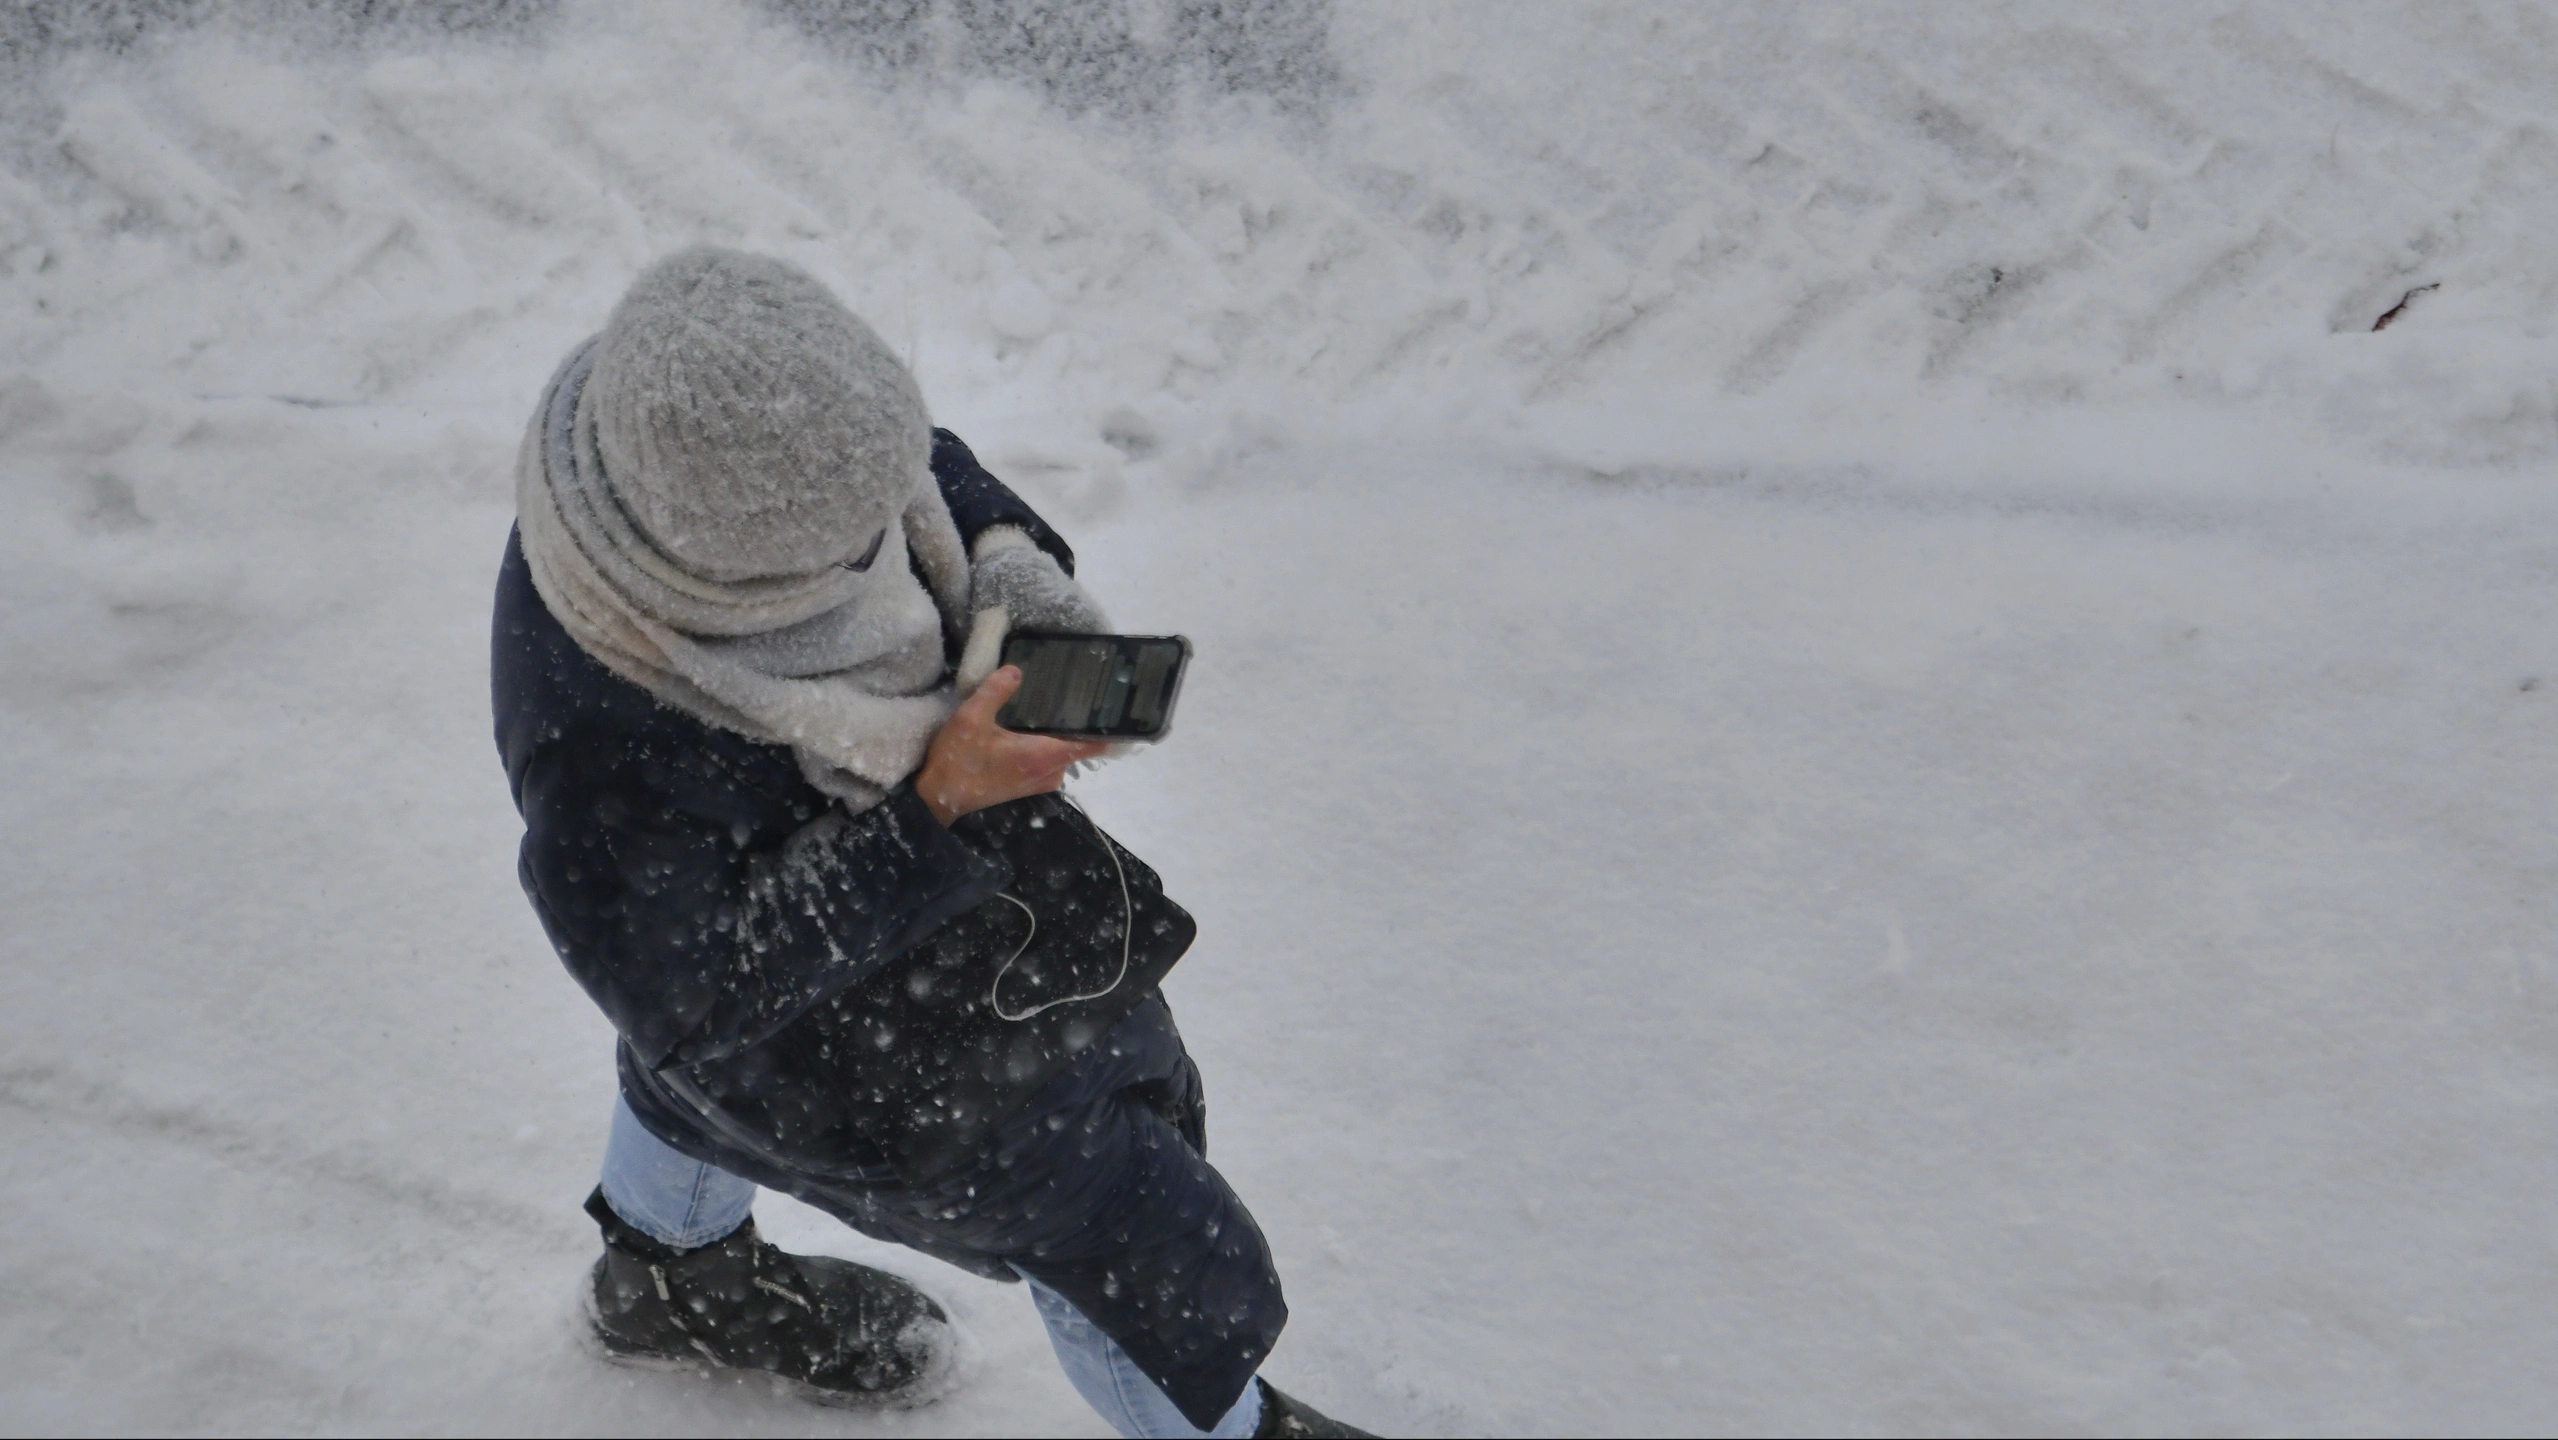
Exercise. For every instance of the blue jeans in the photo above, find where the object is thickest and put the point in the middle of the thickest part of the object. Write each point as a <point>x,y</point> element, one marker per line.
<point>673,1198</point>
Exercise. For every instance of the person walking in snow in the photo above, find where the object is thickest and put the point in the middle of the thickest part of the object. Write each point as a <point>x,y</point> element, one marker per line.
<point>857,945</point>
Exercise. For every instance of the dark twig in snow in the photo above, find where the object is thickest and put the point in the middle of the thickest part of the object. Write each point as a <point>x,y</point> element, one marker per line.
<point>2401,307</point>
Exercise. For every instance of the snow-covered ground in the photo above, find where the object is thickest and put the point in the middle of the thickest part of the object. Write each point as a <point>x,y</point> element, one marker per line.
<point>1860,759</point>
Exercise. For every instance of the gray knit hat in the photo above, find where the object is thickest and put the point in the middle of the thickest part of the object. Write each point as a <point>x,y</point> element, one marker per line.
<point>751,425</point>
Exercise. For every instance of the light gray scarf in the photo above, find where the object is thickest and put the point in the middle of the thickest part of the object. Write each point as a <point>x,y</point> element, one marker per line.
<point>844,667</point>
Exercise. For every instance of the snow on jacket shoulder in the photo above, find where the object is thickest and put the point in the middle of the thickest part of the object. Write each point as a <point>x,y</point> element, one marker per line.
<point>692,880</point>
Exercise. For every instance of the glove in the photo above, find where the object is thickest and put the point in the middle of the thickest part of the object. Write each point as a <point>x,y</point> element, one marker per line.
<point>1015,585</point>
<point>1011,572</point>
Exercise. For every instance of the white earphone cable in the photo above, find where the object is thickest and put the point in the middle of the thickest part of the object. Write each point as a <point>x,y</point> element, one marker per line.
<point>1127,933</point>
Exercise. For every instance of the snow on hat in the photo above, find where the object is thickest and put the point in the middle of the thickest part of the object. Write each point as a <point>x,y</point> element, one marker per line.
<point>749,424</point>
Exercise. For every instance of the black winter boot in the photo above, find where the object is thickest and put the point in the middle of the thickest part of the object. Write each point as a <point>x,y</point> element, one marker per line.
<point>1297,1420</point>
<point>846,1330</point>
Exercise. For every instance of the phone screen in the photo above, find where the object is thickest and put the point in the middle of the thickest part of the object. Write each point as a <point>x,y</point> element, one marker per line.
<point>1099,687</point>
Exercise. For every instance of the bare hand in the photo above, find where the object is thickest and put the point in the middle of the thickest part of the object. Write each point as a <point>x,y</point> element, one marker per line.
<point>974,762</point>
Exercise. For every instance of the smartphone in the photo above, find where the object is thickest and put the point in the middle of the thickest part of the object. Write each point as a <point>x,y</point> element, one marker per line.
<point>1094,687</point>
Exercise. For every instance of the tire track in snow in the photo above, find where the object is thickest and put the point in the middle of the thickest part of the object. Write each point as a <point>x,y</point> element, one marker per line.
<point>48,1092</point>
<point>1757,199</point>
